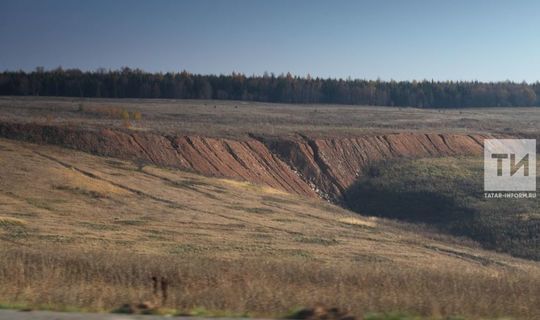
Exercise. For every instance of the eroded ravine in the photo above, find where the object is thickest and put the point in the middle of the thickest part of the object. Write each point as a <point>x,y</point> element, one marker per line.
<point>300,164</point>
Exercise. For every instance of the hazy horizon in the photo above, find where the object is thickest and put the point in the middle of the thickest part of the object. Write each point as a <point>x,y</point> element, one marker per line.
<point>487,41</point>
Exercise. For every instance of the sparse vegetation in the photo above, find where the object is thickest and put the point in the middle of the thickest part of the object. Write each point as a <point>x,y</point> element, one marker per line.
<point>108,112</point>
<point>7,222</point>
<point>12,229</point>
<point>369,223</point>
<point>84,232</point>
<point>81,191</point>
<point>317,240</point>
<point>137,116</point>
<point>99,281</point>
<point>195,117</point>
<point>125,119</point>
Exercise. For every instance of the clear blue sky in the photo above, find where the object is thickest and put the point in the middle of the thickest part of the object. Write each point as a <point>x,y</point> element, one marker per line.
<point>409,39</point>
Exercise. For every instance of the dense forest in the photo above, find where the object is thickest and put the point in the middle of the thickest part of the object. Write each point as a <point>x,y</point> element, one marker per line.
<point>135,83</point>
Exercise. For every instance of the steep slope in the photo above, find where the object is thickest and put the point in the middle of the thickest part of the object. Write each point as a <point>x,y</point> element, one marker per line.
<point>334,164</point>
<point>299,164</point>
<point>248,160</point>
<point>446,194</point>
<point>80,200</point>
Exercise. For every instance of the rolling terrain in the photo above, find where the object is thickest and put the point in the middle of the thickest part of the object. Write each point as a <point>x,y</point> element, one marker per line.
<point>78,222</point>
<point>245,208</point>
<point>55,195</point>
<point>299,164</point>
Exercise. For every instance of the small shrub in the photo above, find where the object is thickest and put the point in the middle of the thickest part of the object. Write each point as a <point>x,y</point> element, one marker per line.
<point>125,115</point>
<point>137,116</point>
<point>49,119</point>
<point>125,119</point>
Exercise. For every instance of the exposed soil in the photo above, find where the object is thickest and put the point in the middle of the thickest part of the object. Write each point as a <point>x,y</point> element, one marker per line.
<point>299,163</point>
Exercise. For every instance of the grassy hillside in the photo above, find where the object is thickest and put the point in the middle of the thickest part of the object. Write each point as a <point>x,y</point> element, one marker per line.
<point>448,193</point>
<point>80,231</point>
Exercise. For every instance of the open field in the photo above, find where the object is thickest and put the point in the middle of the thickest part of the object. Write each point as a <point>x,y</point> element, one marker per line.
<point>52,195</point>
<point>80,231</point>
<point>263,287</point>
<point>51,315</point>
<point>233,119</point>
<point>86,232</point>
<point>265,160</point>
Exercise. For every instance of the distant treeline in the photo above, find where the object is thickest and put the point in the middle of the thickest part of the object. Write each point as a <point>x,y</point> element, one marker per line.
<point>134,83</point>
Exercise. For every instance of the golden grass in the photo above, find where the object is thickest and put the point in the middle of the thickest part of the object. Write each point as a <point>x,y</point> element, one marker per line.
<point>102,281</point>
<point>10,221</point>
<point>250,186</point>
<point>367,222</point>
<point>73,179</point>
<point>226,245</point>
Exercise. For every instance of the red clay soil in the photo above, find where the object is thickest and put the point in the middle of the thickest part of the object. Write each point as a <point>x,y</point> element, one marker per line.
<point>334,164</point>
<point>323,167</point>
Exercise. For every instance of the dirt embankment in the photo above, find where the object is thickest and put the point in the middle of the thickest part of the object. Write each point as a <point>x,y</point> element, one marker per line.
<point>332,165</point>
<point>302,165</point>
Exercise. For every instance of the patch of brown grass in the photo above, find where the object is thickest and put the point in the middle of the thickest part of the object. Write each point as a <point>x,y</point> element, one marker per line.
<point>96,230</point>
<point>370,222</point>
<point>105,280</point>
<point>231,118</point>
<point>252,187</point>
<point>9,221</point>
<point>102,111</point>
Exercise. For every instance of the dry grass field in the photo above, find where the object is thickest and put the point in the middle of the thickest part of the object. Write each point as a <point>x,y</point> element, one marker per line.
<point>236,118</point>
<point>86,232</point>
<point>82,232</point>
